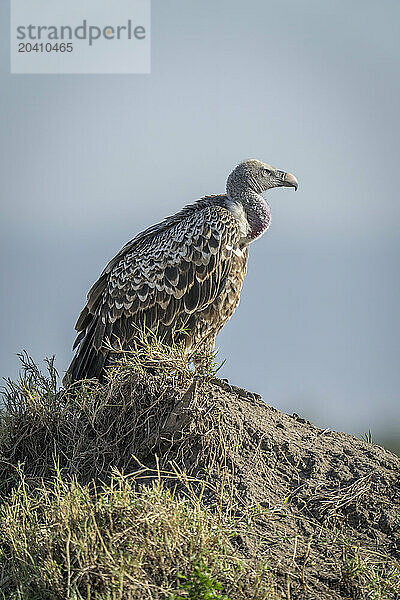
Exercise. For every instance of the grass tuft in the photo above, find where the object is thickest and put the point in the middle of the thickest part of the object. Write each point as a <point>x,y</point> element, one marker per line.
<point>64,540</point>
<point>91,427</point>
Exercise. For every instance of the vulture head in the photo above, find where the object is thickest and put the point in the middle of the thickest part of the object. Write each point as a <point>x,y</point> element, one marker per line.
<point>254,175</point>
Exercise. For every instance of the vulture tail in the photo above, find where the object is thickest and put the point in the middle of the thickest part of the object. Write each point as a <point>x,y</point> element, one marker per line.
<point>88,362</point>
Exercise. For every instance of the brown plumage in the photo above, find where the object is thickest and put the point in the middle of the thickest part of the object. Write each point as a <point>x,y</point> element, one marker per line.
<point>185,272</point>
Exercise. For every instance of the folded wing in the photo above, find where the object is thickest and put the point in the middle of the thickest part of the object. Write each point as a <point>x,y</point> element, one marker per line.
<point>163,279</point>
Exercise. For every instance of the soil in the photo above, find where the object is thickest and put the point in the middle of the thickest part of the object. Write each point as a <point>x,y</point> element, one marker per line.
<point>326,503</point>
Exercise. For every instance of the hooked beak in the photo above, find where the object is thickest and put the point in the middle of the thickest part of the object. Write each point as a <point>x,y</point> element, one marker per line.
<point>289,180</point>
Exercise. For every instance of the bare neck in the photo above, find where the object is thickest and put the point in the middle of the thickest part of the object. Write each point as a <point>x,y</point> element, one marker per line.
<point>256,211</point>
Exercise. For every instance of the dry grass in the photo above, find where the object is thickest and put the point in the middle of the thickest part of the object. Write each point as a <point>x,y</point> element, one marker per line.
<point>90,427</point>
<point>64,540</point>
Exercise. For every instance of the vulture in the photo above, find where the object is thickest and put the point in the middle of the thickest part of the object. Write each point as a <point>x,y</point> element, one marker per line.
<point>180,278</point>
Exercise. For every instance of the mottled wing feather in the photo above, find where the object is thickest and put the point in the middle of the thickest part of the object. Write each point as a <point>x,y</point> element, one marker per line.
<point>163,276</point>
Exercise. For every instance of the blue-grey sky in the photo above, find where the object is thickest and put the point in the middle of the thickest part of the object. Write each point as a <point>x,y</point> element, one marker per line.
<point>312,87</point>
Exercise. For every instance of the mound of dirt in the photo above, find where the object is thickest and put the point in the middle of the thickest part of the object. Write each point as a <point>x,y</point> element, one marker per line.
<point>326,504</point>
<point>319,508</point>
